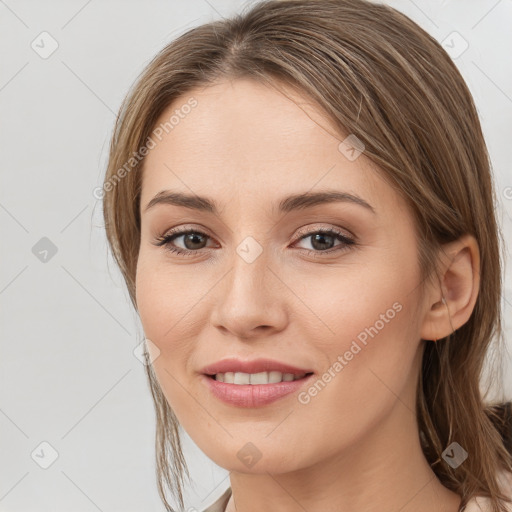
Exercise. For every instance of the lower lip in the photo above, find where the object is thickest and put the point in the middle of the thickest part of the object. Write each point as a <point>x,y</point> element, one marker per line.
<point>253,395</point>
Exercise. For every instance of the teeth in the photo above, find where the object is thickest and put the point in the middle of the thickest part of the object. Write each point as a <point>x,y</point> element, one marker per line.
<point>256,378</point>
<point>242,378</point>
<point>274,377</point>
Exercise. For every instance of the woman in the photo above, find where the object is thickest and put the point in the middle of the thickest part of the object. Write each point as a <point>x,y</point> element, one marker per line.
<point>301,203</point>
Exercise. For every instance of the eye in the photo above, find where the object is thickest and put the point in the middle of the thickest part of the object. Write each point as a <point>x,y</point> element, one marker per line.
<point>191,238</point>
<point>322,241</point>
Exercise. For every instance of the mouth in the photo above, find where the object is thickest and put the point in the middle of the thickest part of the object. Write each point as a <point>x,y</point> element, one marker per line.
<point>253,383</point>
<point>251,390</point>
<point>260,378</point>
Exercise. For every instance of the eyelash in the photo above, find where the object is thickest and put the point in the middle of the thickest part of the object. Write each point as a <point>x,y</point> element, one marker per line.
<point>166,239</point>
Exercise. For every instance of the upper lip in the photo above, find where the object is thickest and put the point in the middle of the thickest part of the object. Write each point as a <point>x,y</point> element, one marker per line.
<point>252,366</point>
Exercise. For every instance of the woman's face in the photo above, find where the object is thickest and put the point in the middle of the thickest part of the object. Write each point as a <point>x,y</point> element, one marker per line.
<point>265,278</point>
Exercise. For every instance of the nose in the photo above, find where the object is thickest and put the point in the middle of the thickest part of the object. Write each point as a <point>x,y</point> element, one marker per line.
<point>250,300</point>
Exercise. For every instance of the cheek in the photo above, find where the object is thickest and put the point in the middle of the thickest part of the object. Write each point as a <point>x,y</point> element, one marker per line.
<point>371,352</point>
<point>166,297</point>
<point>160,311</point>
<point>150,299</point>
<point>172,306</point>
<point>162,307</point>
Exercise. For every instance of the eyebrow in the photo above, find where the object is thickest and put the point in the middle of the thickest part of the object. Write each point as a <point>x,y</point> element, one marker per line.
<point>288,204</point>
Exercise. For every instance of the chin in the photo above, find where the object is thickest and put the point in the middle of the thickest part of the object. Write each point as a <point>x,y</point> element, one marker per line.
<point>255,457</point>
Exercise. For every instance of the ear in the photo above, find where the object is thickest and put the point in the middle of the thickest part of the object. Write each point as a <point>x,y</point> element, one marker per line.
<point>452,301</point>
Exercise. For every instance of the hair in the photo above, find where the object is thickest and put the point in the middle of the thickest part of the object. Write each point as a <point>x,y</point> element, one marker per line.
<point>379,76</point>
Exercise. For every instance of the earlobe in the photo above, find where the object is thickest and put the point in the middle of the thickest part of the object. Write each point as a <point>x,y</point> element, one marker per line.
<point>453,300</point>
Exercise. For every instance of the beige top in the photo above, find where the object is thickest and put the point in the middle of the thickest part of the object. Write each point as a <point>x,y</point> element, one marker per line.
<point>220,504</point>
<point>478,504</point>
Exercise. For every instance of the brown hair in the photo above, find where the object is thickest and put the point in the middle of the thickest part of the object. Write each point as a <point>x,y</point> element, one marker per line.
<point>376,74</point>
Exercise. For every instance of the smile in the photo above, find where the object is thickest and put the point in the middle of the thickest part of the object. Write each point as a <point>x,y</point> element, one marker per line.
<point>256,389</point>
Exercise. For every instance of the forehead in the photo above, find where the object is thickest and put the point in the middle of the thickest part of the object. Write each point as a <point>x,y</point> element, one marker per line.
<point>249,140</point>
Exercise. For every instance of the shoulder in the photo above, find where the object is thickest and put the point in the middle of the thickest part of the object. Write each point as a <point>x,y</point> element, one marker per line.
<point>483,504</point>
<point>219,505</point>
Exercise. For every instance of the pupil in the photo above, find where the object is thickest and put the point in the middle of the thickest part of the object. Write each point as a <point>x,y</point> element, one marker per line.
<point>191,237</point>
<point>320,236</point>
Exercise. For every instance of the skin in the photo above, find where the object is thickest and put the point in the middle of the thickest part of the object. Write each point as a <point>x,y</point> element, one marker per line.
<point>355,445</point>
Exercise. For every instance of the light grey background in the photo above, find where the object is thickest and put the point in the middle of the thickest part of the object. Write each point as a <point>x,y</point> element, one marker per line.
<point>69,376</point>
